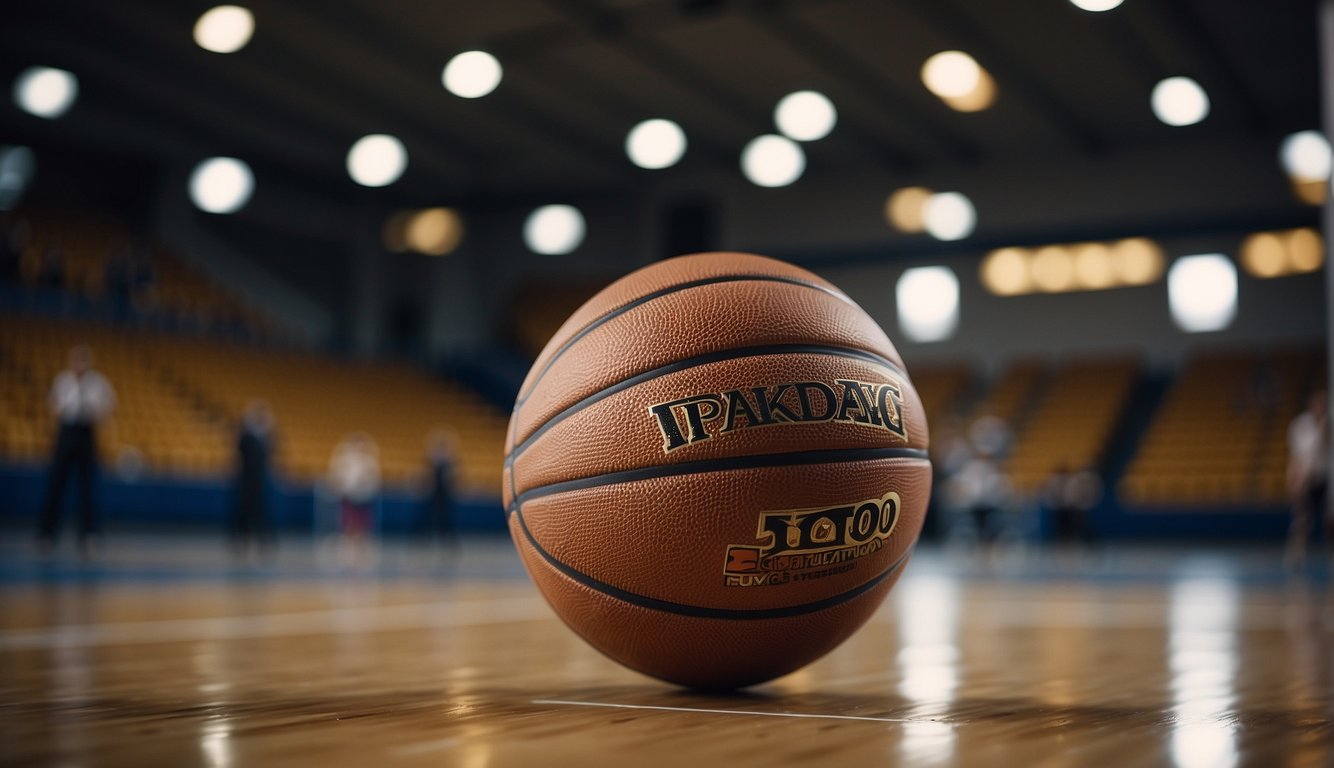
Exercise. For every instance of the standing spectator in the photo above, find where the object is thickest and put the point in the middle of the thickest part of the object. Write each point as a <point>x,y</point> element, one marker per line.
<point>254,448</point>
<point>1308,477</point>
<point>354,477</point>
<point>81,398</point>
<point>438,523</point>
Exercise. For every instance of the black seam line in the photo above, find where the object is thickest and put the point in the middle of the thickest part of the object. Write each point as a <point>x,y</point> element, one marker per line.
<point>691,362</point>
<point>755,461</point>
<point>696,611</point>
<point>611,314</point>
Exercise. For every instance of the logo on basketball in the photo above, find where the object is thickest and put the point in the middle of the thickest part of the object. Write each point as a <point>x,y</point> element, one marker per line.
<point>697,418</point>
<point>806,544</point>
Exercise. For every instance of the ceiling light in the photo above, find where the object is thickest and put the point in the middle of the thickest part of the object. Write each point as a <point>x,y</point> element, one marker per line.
<point>976,100</point>
<point>655,144</point>
<point>1005,272</point>
<point>1093,266</point>
<point>1306,156</point>
<point>1179,101</point>
<point>554,229</point>
<point>927,299</point>
<point>805,116</point>
<point>1306,250</point>
<point>1137,261</point>
<point>45,91</point>
<point>949,216</point>
<point>773,161</point>
<point>1202,292</point>
<point>377,160</point>
<point>1053,270</point>
<point>1264,254</point>
<point>472,74</point>
<point>224,29</point>
<point>434,231</point>
<point>951,74</point>
<point>221,185</point>
<point>1096,6</point>
<point>905,209</point>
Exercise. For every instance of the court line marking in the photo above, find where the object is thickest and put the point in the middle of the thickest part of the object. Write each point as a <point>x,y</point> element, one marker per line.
<point>707,711</point>
<point>339,620</point>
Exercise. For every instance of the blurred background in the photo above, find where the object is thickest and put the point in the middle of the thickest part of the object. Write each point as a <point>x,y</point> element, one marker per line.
<point>346,229</point>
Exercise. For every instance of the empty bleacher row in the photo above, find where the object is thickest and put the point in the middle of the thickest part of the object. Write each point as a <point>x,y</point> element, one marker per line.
<point>180,397</point>
<point>1219,438</point>
<point>99,260</point>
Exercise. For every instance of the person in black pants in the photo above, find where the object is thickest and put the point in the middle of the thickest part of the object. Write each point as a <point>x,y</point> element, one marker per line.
<point>438,524</point>
<point>254,448</point>
<point>81,398</point>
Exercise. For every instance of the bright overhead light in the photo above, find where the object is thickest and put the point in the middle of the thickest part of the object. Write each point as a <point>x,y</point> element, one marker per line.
<point>773,161</point>
<point>1179,101</point>
<point>927,300</point>
<point>554,229</point>
<point>1264,254</point>
<point>1137,261</point>
<point>906,207</point>
<point>1005,272</point>
<point>45,91</point>
<point>1306,156</point>
<point>655,144</point>
<point>949,216</point>
<point>221,185</point>
<point>377,160</point>
<point>434,231</point>
<point>805,115</point>
<point>1096,6</point>
<point>1202,292</point>
<point>224,29</point>
<point>472,74</point>
<point>951,74</point>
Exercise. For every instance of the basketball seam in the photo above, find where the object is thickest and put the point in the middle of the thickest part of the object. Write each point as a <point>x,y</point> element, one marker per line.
<point>701,612</point>
<point>661,292</point>
<point>692,362</point>
<point>725,464</point>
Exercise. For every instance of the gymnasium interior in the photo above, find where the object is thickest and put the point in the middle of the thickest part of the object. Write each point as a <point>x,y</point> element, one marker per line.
<point>1093,230</point>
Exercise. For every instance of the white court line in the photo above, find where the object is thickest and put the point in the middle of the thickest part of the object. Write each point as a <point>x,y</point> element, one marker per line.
<point>341,620</point>
<point>806,715</point>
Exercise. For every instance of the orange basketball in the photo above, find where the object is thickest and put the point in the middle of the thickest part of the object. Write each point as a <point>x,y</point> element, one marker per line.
<point>716,470</point>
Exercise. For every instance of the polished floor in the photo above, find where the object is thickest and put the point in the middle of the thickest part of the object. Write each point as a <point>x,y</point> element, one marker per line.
<point>167,652</point>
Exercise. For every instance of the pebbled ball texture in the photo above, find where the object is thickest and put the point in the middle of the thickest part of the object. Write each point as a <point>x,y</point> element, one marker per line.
<point>716,469</point>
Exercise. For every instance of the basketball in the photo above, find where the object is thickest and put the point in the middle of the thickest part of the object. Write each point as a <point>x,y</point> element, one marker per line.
<point>716,469</point>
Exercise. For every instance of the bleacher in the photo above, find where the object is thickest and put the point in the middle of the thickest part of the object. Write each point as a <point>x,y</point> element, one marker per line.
<point>1071,422</point>
<point>96,259</point>
<point>1219,439</point>
<point>180,398</point>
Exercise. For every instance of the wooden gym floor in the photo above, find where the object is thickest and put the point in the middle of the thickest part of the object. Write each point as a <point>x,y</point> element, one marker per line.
<point>164,653</point>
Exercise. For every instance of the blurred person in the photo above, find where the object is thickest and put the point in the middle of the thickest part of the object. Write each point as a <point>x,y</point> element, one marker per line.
<point>1070,497</point>
<point>354,478</point>
<point>81,399</point>
<point>1308,477</point>
<point>12,247</point>
<point>51,272</point>
<point>254,449</point>
<point>978,487</point>
<point>437,520</point>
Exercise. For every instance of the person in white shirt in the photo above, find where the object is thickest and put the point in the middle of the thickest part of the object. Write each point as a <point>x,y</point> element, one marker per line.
<point>354,477</point>
<point>1308,476</point>
<point>81,399</point>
